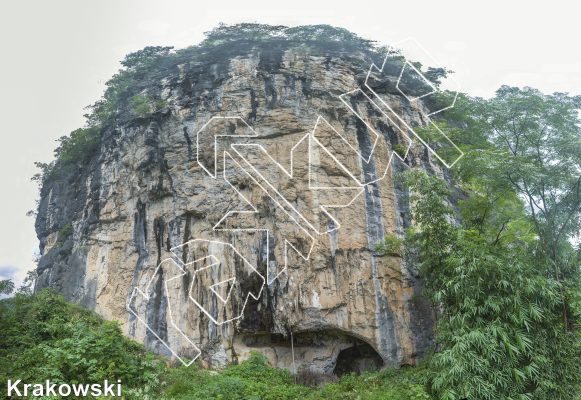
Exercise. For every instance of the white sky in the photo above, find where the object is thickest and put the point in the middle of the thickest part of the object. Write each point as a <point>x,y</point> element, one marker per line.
<point>57,54</point>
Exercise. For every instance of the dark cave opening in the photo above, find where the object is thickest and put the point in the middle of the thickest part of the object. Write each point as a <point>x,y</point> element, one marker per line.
<point>314,351</point>
<point>359,358</point>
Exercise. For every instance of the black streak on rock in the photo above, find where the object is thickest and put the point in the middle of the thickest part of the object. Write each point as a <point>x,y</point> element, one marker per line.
<point>159,228</point>
<point>139,242</point>
<point>271,92</point>
<point>253,105</point>
<point>189,142</point>
<point>157,318</point>
<point>384,313</point>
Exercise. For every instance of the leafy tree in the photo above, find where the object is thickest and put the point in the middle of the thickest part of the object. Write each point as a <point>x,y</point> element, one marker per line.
<point>144,59</point>
<point>224,33</point>
<point>507,278</point>
<point>326,33</point>
<point>528,143</point>
<point>6,286</point>
<point>137,65</point>
<point>72,154</point>
<point>498,336</point>
<point>435,75</point>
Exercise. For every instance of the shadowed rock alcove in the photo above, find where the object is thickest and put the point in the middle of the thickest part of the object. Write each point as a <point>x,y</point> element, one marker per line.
<point>359,358</point>
<point>325,351</point>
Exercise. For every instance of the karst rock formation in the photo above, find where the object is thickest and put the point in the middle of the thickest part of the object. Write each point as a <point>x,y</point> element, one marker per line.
<point>246,210</point>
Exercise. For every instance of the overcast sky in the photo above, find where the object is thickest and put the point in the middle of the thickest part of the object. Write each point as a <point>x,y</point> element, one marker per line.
<point>56,55</point>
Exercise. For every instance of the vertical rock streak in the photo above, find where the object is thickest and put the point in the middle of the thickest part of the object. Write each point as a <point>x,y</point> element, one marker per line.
<point>375,233</point>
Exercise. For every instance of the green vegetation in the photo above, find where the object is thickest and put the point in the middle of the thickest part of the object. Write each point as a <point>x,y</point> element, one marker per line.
<point>63,233</point>
<point>120,87</point>
<point>391,245</point>
<point>44,337</point>
<point>6,286</point>
<point>401,150</point>
<point>508,276</point>
<point>500,335</point>
<point>262,32</point>
<point>73,154</point>
<point>145,105</point>
<point>254,379</point>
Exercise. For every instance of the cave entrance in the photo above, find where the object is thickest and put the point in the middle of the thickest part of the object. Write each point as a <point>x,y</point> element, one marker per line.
<point>358,358</point>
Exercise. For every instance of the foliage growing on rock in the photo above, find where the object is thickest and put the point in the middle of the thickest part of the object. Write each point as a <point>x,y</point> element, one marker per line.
<point>390,245</point>
<point>145,105</point>
<point>73,153</point>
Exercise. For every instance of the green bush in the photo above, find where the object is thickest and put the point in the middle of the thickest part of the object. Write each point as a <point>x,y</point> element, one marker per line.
<point>391,245</point>
<point>64,233</point>
<point>44,337</point>
<point>145,105</point>
<point>389,384</point>
<point>72,154</point>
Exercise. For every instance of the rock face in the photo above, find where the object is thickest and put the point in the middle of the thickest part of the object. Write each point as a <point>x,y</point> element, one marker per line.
<point>221,242</point>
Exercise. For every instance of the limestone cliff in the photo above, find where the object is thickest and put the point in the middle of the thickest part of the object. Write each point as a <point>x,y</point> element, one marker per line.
<point>282,199</point>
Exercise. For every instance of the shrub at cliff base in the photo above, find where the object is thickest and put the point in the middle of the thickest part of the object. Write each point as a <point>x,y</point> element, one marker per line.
<point>42,337</point>
<point>45,338</point>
